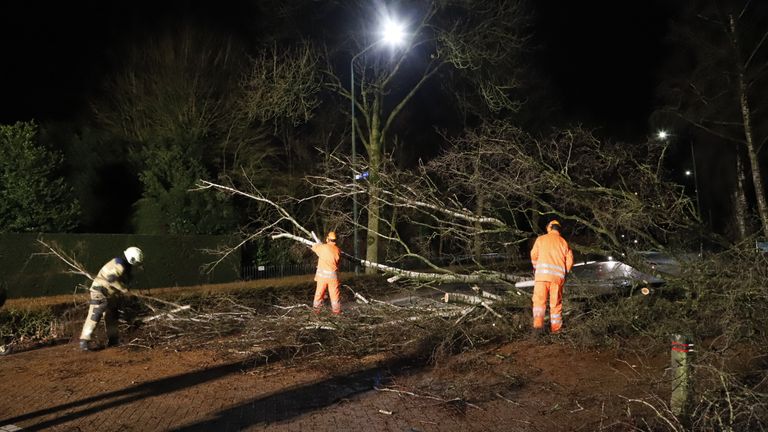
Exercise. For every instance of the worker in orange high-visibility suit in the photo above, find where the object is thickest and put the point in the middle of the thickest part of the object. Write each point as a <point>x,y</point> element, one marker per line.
<point>327,276</point>
<point>552,259</point>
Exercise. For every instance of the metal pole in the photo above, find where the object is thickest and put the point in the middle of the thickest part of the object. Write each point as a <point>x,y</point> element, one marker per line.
<point>698,200</point>
<point>354,157</point>
<point>695,181</point>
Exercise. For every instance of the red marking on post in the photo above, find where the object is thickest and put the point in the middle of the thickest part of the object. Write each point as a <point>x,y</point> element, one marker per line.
<point>682,347</point>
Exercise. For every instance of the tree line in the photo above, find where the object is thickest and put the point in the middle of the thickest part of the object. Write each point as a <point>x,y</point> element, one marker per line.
<point>450,122</point>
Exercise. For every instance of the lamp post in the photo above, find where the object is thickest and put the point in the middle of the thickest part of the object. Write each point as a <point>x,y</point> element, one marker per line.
<point>663,135</point>
<point>689,173</point>
<point>392,33</point>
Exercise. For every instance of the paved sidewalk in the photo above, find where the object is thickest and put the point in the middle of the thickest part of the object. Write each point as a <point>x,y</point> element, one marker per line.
<point>66,390</point>
<point>62,389</point>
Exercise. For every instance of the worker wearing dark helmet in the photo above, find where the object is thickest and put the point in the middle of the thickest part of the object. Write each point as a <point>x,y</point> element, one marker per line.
<point>552,259</point>
<point>106,293</point>
<point>326,276</point>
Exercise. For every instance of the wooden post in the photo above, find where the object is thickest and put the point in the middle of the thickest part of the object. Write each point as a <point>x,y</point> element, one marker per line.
<point>681,357</point>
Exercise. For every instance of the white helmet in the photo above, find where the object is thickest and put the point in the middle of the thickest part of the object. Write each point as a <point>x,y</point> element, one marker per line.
<point>134,255</point>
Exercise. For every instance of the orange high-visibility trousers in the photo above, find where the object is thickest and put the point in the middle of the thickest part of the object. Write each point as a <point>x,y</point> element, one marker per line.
<point>553,290</point>
<point>332,285</point>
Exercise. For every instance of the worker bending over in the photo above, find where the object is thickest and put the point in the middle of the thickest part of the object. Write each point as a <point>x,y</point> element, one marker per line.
<point>106,294</point>
<point>552,259</point>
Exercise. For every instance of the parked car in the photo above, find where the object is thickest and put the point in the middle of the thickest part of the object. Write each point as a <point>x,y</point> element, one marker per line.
<point>607,275</point>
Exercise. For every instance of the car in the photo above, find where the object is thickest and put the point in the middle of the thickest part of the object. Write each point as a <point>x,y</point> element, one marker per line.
<point>607,275</point>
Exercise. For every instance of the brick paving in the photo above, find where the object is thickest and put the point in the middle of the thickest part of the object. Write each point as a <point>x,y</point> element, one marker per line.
<point>61,389</point>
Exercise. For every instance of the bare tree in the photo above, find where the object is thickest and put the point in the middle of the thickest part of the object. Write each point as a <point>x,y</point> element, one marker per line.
<point>472,43</point>
<point>181,102</point>
<point>476,42</point>
<point>175,84</point>
<point>282,85</point>
<point>742,68</point>
<point>721,95</point>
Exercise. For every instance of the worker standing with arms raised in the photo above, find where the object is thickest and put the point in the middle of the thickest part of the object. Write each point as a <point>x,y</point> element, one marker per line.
<point>552,259</point>
<point>106,293</point>
<point>326,276</point>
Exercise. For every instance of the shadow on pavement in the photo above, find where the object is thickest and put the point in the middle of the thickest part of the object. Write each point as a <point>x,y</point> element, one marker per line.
<point>296,401</point>
<point>276,407</point>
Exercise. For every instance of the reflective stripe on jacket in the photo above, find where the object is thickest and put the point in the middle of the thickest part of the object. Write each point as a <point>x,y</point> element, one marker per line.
<point>328,255</point>
<point>114,275</point>
<point>326,274</point>
<point>551,257</point>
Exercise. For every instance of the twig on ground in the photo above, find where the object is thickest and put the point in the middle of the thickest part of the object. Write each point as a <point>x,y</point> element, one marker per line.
<point>441,400</point>
<point>508,400</point>
<point>169,313</point>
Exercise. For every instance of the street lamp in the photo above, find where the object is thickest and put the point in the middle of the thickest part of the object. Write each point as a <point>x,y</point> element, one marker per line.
<point>393,34</point>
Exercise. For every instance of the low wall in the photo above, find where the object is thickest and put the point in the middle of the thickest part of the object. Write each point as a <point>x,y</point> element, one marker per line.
<point>27,269</point>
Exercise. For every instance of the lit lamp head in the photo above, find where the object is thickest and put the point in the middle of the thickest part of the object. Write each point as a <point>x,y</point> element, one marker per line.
<point>393,33</point>
<point>662,134</point>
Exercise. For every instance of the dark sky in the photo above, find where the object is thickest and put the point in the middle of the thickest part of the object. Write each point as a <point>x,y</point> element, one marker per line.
<point>600,55</point>
<point>55,54</point>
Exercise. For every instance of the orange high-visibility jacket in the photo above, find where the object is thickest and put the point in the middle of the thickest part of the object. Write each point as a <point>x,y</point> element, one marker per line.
<point>551,257</point>
<point>328,255</point>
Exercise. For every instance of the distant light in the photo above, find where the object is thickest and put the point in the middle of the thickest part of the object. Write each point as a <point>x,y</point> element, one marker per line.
<point>634,241</point>
<point>688,172</point>
<point>610,258</point>
<point>362,176</point>
<point>662,134</point>
<point>393,32</point>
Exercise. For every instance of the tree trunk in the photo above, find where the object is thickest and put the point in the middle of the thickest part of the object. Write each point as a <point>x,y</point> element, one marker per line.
<point>746,115</point>
<point>754,162</point>
<point>374,159</point>
<point>740,207</point>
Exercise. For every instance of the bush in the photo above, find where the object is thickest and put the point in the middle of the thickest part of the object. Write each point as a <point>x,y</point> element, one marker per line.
<point>32,197</point>
<point>29,326</point>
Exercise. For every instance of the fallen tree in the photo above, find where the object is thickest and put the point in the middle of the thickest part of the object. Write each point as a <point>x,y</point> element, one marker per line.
<point>486,196</point>
<point>275,231</point>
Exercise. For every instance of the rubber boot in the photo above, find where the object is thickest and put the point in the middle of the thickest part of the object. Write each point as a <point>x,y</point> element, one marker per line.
<point>84,345</point>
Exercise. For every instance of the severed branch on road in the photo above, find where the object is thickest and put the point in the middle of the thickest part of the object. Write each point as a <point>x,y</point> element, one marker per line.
<point>415,275</point>
<point>485,294</point>
<point>164,314</point>
<point>408,393</point>
<point>473,300</point>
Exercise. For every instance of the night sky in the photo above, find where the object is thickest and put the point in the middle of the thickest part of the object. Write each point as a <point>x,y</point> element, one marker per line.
<point>600,57</point>
<point>603,58</point>
<point>57,54</point>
